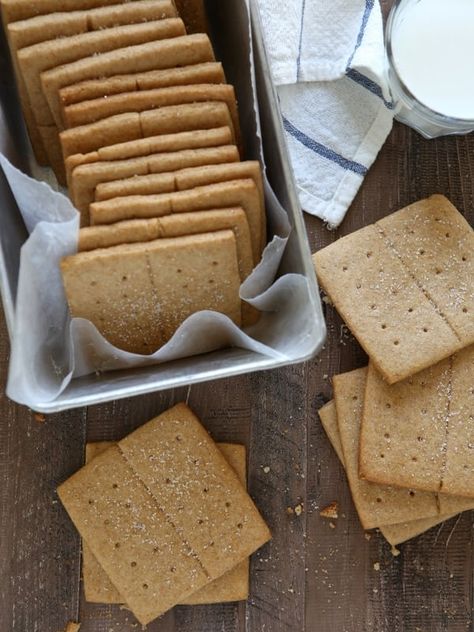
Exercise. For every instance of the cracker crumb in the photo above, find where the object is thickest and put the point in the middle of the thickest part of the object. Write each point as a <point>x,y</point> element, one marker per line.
<point>325,376</point>
<point>40,418</point>
<point>327,300</point>
<point>266,469</point>
<point>376,566</point>
<point>332,525</point>
<point>290,511</point>
<point>395,552</point>
<point>368,536</point>
<point>299,509</point>
<point>331,511</point>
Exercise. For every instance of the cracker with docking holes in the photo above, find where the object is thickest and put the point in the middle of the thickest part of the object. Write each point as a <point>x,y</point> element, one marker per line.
<point>423,428</point>
<point>208,72</point>
<point>163,513</point>
<point>13,10</point>
<point>35,59</point>
<point>242,193</point>
<point>137,295</point>
<point>141,100</point>
<point>142,230</point>
<point>41,28</point>
<point>130,58</point>
<point>152,145</point>
<point>396,533</point>
<point>86,177</point>
<point>139,125</point>
<point>406,315</point>
<point>179,225</point>
<point>232,586</point>
<point>377,505</point>
<point>187,178</point>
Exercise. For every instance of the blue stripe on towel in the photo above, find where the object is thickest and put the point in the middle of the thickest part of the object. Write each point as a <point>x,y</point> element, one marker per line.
<point>370,85</point>
<point>322,150</point>
<point>300,45</point>
<point>369,5</point>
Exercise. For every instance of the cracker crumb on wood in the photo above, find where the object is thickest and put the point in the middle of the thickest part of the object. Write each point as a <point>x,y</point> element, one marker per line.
<point>331,511</point>
<point>40,418</point>
<point>376,566</point>
<point>299,509</point>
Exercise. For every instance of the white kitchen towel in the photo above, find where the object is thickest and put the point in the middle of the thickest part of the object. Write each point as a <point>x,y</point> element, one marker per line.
<point>327,60</point>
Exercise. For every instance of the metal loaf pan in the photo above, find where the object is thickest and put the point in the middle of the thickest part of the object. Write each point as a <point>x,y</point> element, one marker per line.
<point>231,46</point>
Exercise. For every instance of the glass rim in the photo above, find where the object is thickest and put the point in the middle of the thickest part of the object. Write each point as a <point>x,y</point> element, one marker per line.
<point>429,113</point>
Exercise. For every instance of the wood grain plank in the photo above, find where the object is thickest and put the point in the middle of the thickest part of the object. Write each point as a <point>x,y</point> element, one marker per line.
<point>39,560</point>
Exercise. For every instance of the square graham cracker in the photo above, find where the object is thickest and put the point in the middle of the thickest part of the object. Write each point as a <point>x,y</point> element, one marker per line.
<point>40,28</point>
<point>86,177</point>
<point>32,60</point>
<point>179,225</point>
<point>207,72</point>
<point>232,586</point>
<point>137,295</point>
<point>130,56</point>
<point>396,533</point>
<point>423,427</point>
<point>377,505</point>
<point>406,315</point>
<point>35,59</point>
<point>197,139</point>
<point>234,193</point>
<point>139,125</point>
<point>138,100</point>
<point>163,513</point>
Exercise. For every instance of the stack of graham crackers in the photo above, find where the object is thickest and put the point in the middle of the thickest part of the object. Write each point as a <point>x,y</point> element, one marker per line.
<point>135,115</point>
<point>404,426</point>
<point>165,518</point>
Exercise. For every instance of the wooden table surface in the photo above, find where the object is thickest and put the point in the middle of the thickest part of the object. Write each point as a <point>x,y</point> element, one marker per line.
<point>313,576</point>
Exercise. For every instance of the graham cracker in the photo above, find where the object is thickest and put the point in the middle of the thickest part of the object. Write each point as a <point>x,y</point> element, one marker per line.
<point>399,317</point>
<point>141,100</point>
<point>187,179</point>
<point>232,586</point>
<point>436,244</point>
<point>133,126</point>
<point>377,505</point>
<point>137,295</point>
<point>174,506</point>
<point>42,28</point>
<point>152,145</point>
<point>197,139</point>
<point>241,193</point>
<point>128,532</point>
<point>130,58</point>
<point>208,72</point>
<point>396,533</point>
<point>423,428</point>
<point>26,33</point>
<point>33,60</point>
<point>141,230</point>
<point>13,10</point>
<point>86,177</point>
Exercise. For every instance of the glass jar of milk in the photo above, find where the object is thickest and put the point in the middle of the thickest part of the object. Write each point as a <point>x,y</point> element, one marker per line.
<point>430,65</point>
